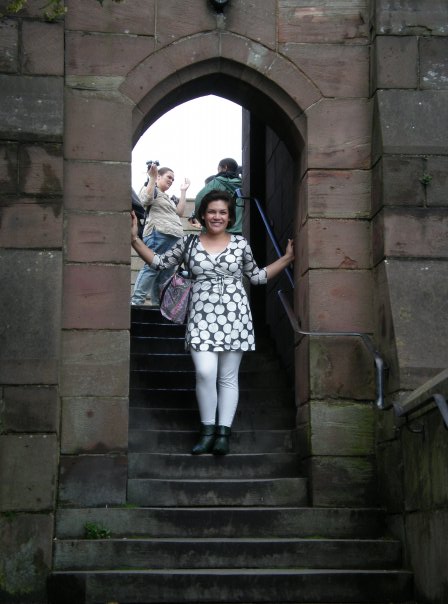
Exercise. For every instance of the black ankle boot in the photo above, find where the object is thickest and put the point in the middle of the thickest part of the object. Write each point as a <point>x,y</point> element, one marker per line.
<point>207,440</point>
<point>221,446</point>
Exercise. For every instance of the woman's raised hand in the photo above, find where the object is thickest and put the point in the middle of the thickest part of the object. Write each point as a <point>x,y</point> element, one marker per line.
<point>184,186</point>
<point>289,253</point>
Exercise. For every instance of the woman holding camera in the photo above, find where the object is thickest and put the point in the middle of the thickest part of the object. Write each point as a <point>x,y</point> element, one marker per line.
<point>162,229</point>
<point>219,323</point>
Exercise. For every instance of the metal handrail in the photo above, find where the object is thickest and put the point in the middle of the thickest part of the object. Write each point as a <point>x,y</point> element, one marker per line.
<point>434,390</point>
<point>439,399</point>
<point>367,341</point>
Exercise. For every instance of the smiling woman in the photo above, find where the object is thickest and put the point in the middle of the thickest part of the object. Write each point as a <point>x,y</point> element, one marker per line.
<point>191,138</point>
<point>219,324</point>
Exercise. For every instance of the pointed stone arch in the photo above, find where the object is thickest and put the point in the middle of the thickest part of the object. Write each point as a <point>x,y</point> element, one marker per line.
<point>227,64</point>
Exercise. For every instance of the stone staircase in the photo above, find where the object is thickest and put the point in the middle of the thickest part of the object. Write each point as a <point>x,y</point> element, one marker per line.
<point>218,529</point>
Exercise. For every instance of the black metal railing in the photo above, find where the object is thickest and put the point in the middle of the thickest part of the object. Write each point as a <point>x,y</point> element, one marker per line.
<point>295,324</point>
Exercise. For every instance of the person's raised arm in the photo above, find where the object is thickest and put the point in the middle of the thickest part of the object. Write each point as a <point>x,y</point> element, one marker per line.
<point>142,250</point>
<point>272,270</point>
<point>146,194</point>
<point>180,208</point>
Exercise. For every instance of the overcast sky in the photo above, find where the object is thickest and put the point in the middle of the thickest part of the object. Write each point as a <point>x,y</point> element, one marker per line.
<point>190,139</point>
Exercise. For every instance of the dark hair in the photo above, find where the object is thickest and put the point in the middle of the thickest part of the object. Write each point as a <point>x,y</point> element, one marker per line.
<point>230,164</point>
<point>216,195</point>
<point>164,170</point>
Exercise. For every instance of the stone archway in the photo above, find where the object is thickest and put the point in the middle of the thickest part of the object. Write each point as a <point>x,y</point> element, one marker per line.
<point>261,82</point>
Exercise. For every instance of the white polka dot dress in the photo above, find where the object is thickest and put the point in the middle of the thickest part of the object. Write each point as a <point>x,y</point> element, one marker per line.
<point>219,317</point>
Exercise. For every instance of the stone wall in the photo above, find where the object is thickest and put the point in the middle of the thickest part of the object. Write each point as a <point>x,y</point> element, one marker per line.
<point>410,257</point>
<point>31,258</point>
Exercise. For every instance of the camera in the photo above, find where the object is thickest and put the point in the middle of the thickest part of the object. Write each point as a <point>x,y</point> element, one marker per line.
<point>150,162</point>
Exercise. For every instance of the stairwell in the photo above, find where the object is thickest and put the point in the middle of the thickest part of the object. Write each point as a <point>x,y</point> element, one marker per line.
<point>216,529</point>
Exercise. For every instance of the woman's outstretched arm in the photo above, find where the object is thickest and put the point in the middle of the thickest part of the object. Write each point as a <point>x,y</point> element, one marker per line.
<point>272,270</point>
<point>142,250</point>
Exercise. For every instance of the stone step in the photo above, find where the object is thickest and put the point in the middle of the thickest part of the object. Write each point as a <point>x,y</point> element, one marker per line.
<point>180,441</point>
<point>224,522</point>
<point>188,419</point>
<point>177,466</point>
<point>150,378</point>
<point>149,345</point>
<point>226,492</point>
<point>147,314</point>
<point>252,361</point>
<point>228,585</point>
<point>180,397</point>
<point>158,330</point>
<point>103,554</point>
<point>174,342</point>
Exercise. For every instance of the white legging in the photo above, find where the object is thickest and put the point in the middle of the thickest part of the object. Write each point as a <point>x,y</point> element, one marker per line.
<point>217,385</point>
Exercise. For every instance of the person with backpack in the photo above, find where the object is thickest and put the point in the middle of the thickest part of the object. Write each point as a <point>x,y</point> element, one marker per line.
<point>227,179</point>
<point>163,228</point>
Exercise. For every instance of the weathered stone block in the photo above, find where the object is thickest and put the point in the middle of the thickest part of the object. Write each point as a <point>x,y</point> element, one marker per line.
<point>33,357</point>
<point>340,368</point>
<point>414,314</point>
<point>105,54</point>
<point>341,428</point>
<point>88,186</point>
<point>332,21</point>
<point>25,557</point>
<point>340,300</point>
<point>93,480</point>
<point>339,134</point>
<point>43,48</point>
<point>41,169</point>
<point>97,238</point>
<point>28,467</point>
<point>31,8</point>
<point>396,182</point>
<point>343,481</point>
<point>338,193</point>
<point>436,434</point>
<point>176,20</point>
<point>412,122</point>
<point>337,70</point>
<point>437,189</point>
<point>395,63</point>
<point>36,225</point>
<point>30,409</point>
<point>338,243</point>
<point>94,425</point>
<point>302,371</point>
<point>410,18</point>
<point>411,233</point>
<point>95,363</point>
<point>417,469</point>
<point>434,63</point>
<point>96,297</point>
<point>155,69</point>
<point>390,475</point>
<point>111,17</point>
<point>258,23</point>
<point>9,46</point>
<point>31,107</point>
<point>427,548</point>
<point>88,131</point>
<point>8,168</point>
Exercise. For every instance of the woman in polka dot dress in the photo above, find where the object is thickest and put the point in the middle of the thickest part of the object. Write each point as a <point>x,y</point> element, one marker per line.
<point>219,324</point>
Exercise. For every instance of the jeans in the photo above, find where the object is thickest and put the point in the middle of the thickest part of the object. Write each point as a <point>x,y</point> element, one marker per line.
<point>149,280</point>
